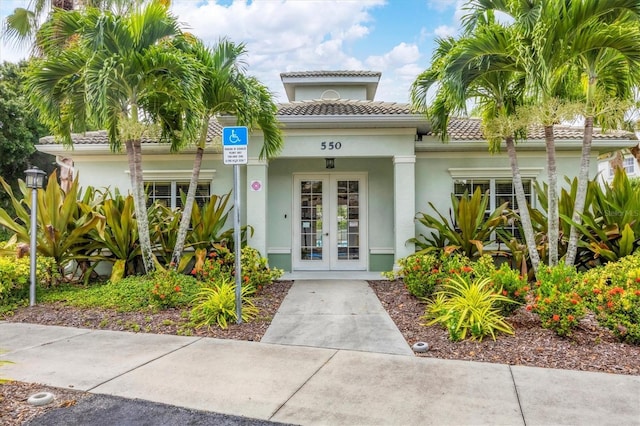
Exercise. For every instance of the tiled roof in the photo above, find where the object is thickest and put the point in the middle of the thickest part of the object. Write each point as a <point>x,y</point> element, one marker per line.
<point>330,74</point>
<point>341,107</point>
<point>461,129</point>
<point>100,136</point>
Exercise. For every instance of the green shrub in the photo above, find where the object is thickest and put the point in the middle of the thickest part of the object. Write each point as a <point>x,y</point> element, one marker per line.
<point>510,284</point>
<point>15,277</point>
<point>557,302</point>
<point>220,264</point>
<point>468,307</point>
<point>613,293</point>
<point>468,230</point>
<point>216,305</point>
<point>167,290</point>
<point>560,312</point>
<point>133,293</point>
<point>423,273</point>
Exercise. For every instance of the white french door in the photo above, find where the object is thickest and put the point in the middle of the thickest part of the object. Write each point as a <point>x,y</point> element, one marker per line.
<point>330,222</point>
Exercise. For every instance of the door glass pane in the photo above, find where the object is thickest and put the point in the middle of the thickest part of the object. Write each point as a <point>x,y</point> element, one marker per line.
<point>311,230</point>
<point>348,212</point>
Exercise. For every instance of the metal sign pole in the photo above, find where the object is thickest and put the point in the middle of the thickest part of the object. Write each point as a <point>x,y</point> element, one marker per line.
<point>235,141</point>
<point>237,240</point>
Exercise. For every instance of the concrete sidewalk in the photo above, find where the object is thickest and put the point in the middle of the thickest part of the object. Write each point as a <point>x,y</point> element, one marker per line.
<point>335,314</point>
<point>304,385</point>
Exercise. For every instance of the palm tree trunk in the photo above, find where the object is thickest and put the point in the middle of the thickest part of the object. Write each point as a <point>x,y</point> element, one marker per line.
<point>523,206</point>
<point>553,226</point>
<point>581,193</point>
<point>134,156</point>
<point>187,208</point>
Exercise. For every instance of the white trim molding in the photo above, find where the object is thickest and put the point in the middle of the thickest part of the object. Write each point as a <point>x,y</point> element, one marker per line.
<point>279,250</point>
<point>175,175</point>
<point>381,250</point>
<point>493,172</point>
<point>404,159</point>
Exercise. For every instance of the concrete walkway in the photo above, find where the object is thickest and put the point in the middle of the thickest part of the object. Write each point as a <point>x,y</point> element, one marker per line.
<point>309,386</point>
<point>332,356</point>
<point>334,314</point>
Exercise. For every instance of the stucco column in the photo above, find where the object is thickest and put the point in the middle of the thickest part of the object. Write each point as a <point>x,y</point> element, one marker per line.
<point>404,202</point>
<point>257,204</point>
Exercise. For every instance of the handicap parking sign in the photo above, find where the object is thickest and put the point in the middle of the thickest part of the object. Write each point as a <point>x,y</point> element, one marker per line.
<point>235,141</point>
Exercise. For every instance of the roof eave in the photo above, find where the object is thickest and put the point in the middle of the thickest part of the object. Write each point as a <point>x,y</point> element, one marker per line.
<point>601,146</point>
<point>355,121</point>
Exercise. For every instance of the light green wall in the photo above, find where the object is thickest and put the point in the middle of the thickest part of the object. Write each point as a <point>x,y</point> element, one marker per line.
<point>434,182</point>
<point>280,261</point>
<point>380,196</point>
<point>380,262</point>
<point>346,92</point>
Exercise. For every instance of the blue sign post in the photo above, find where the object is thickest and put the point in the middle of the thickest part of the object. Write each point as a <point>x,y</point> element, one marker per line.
<point>235,142</point>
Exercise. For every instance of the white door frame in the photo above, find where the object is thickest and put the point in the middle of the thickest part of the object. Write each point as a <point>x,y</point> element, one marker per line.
<point>329,251</point>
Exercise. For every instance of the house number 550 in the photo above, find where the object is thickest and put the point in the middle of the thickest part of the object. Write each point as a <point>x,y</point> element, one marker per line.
<point>330,145</point>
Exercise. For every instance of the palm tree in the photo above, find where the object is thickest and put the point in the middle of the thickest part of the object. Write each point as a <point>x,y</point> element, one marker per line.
<point>122,73</point>
<point>22,25</point>
<point>604,40</point>
<point>480,66</point>
<point>228,90</point>
<point>562,42</point>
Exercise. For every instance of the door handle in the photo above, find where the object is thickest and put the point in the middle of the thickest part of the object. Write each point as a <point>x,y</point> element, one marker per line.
<point>326,234</point>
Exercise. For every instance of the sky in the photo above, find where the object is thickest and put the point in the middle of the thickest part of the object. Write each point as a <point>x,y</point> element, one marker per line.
<point>394,37</point>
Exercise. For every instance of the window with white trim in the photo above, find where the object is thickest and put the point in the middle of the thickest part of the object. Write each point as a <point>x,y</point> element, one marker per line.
<point>168,193</point>
<point>500,191</point>
<point>629,165</point>
<point>499,184</point>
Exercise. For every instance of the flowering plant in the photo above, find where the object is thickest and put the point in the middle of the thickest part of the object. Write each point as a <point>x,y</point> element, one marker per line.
<point>422,274</point>
<point>560,312</point>
<point>557,303</point>
<point>510,284</point>
<point>220,264</point>
<point>612,291</point>
<point>167,289</point>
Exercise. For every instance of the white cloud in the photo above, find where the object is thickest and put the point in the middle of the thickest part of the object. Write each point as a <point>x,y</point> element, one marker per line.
<point>286,35</point>
<point>401,54</point>
<point>444,31</point>
<point>441,4</point>
<point>296,35</point>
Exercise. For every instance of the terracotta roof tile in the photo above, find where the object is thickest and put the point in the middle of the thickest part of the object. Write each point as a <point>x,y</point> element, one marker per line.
<point>330,74</point>
<point>461,129</point>
<point>100,136</point>
<point>342,107</point>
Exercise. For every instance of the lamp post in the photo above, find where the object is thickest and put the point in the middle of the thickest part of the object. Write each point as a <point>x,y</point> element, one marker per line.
<point>35,178</point>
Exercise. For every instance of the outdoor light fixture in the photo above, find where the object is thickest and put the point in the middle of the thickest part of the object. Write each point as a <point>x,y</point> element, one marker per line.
<point>330,163</point>
<point>35,179</point>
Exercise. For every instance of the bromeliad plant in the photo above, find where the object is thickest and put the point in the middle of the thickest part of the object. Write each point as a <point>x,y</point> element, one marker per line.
<point>468,308</point>
<point>215,304</point>
<point>207,224</point>
<point>64,221</point>
<point>611,226</point>
<point>468,231</point>
<point>120,235</point>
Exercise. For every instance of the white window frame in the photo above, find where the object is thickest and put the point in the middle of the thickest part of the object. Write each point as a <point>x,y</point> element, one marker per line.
<point>492,175</point>
<point>628,163</point>
<point>175,177</point>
